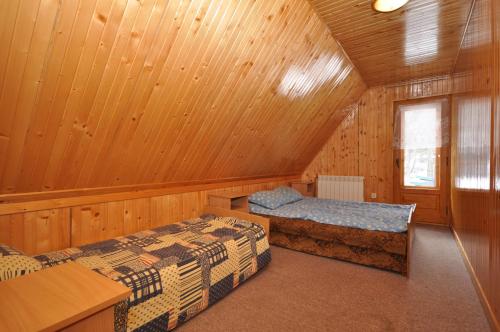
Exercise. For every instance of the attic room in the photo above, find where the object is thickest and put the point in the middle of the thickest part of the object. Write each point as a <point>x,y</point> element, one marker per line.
<point>250,165</point>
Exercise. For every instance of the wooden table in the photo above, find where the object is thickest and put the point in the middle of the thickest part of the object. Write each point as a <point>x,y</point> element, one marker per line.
<point>66,297</point>
<point>305,187</point>
<point>229,200</point>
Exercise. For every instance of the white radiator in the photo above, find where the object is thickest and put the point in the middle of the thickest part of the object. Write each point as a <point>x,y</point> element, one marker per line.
<point>342,188</point>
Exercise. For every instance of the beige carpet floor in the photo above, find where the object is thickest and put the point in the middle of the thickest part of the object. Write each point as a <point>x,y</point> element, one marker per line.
<point>300,292</point>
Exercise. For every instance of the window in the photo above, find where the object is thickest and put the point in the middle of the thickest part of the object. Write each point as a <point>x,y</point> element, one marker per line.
<point>420,135</point>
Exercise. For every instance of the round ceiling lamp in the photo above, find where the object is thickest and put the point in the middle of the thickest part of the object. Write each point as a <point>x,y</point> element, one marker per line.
<point>386,6</point>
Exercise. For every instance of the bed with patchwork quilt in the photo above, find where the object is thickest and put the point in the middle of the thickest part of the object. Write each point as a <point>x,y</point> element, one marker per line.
<point>174,271</point>
<point>372,234</point>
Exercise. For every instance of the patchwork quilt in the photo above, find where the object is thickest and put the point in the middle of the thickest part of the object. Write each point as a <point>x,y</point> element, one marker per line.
<point>14,263</point>
<point>174,271</point>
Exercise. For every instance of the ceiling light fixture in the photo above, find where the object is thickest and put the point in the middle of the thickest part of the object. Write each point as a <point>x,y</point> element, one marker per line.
<point>386,6</point>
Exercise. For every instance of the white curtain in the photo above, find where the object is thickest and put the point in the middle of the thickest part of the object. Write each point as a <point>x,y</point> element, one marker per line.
<point>473,123</point>
<point>421,126</point>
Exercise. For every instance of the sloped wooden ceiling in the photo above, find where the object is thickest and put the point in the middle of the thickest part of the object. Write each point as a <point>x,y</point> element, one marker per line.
<point>97,93</point>
<point>419,40</point>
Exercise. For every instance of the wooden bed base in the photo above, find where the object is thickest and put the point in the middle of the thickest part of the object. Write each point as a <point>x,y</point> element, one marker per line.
<point>385,250</point>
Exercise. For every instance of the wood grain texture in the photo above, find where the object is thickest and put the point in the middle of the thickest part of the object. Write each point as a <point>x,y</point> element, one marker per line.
<point>55,298</point>
<point>495,234</point>
<point>33,201</point>
<point>363,144</point>
<point>361,147</point>
<point>105,93</point>
<point>421,39</point>
<point>36,232</point>
<point>339,155</point>
<point>97,222</point>
<point>229,201</point>
<point>475,153</point>
<point>104,320</point>
<point>59,228</point>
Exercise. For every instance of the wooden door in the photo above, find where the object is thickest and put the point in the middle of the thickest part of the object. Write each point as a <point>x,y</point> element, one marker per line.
<point>421,160</point>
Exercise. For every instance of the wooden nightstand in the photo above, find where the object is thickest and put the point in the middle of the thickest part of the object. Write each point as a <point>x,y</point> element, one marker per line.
<point>229,201</point>
<point>305,187</point>
<point>66,297</point>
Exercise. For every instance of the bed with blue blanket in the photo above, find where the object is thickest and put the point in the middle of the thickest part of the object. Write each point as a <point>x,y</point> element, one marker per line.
<point>372,234</point>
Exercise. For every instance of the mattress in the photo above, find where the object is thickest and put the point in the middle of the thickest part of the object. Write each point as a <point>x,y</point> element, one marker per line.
<point>362,215</point>
<point>175,271</point>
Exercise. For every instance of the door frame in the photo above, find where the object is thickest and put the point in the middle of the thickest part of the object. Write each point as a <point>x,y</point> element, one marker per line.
<point>444,167</point>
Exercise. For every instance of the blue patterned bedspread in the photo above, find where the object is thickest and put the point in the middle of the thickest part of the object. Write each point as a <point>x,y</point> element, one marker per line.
<point>364,215</point>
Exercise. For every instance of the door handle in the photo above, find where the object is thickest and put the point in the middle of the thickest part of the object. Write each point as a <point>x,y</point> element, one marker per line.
<point>397,162</point>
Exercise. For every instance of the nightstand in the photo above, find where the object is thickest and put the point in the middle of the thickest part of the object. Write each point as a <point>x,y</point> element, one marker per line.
<point>305,187</point>
<point>66,297</point>
<point>229,201</point>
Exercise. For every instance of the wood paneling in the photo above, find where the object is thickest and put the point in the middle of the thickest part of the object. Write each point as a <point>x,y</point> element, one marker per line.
<point>495,235</point>
<point>133,191</point>
<point>104,93</point>
<point>475,148</point>
<point>475,90</point>
<point>426,202</point>
<point>55,229</point>
<point>51,200</point>
<point>97,222</point>
<point>421,39</point>
<point>36,232</point>
<point>363,143</point>
<point>339,156</point>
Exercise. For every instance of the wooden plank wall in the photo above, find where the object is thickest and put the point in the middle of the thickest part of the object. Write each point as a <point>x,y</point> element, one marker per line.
<point>342,147</point>
<point>59,228</point>
<point>419,40</point>
<point>35,232</point>
<point>475,208</point>
<point>100,93</point>
<point>495,235</point>
<point>363,143</point>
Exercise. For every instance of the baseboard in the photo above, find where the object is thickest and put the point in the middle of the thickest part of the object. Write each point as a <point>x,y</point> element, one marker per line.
<point>494,323</point>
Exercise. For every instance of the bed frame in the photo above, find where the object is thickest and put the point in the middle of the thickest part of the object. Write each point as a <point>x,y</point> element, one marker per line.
<point>384,250</point>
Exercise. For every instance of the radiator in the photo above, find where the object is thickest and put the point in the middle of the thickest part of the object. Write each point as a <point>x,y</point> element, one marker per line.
<point>342,188</point>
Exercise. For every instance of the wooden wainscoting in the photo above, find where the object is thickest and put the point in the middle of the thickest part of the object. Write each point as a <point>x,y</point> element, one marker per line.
<point>475,169</point>
<point>363,143</point>
<point>53,227</point>
<point>35,232</point>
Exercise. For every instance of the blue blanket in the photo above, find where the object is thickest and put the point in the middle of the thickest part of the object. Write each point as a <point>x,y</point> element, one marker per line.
<point>370,216</point>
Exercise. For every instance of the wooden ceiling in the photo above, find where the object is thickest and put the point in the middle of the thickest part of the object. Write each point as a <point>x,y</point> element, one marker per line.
<point>421,39</point>
<point>97,93</point>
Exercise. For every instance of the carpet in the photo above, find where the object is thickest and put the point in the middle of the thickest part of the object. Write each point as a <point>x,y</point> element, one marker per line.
<point>300,292</point>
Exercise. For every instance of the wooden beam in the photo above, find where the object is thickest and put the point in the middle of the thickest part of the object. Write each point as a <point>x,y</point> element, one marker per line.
<point>52,200</point>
